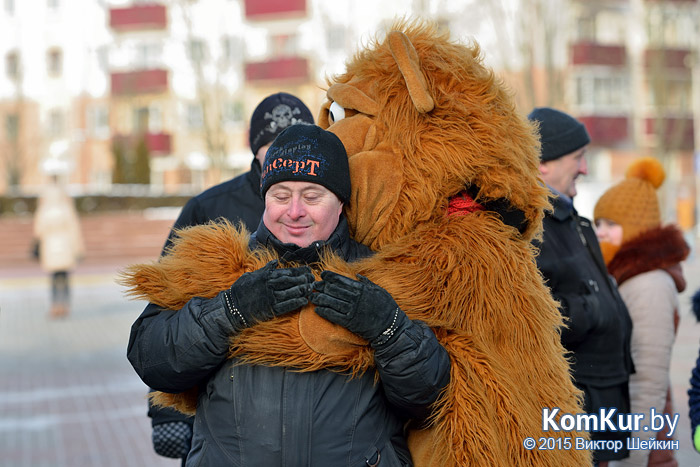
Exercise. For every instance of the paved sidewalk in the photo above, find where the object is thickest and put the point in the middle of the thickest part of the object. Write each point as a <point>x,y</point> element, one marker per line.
<point>68,395</point>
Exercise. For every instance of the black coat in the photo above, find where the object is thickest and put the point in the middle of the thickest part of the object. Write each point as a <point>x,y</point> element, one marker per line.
<point>598,326</point>
<point>236,200</point>
<point>252,415</point>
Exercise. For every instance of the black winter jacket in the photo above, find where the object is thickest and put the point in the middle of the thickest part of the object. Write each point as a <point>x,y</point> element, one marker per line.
<point>251,415</point>
<point>598,326</point>
<point>236,200</point>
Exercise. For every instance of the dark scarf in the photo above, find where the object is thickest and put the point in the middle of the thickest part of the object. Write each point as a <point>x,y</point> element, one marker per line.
<point>338,242</point>
<point>659,248</point>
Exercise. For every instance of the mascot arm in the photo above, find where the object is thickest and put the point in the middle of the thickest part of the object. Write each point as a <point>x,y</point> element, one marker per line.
<point>173,351</point>
<point>414,369</point>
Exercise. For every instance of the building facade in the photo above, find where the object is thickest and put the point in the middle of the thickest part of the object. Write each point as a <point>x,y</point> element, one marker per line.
<point>124,93</point>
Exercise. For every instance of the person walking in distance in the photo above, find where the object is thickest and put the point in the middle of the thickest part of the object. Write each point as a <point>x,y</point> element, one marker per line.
<point>60,242</point>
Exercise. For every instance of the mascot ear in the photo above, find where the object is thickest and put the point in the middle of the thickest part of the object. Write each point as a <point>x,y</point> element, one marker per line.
<point>407,59</point>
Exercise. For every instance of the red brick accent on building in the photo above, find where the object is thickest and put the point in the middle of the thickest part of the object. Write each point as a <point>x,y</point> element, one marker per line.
<point>139,82</point>
<point>135,17</point>
<point>606,130</point>
<point>278,69</point>
<point>588,53</point>
<point>272,9</point>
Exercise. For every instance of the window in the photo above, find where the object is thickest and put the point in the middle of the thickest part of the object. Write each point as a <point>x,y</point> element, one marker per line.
<point>155,119</point>
<point>98,121</point>
<point>9,7</point>
<point>670,94</point>
<point>671,26</point>
<point>233,112</point>
<point>53,4</point>
<point>148,55</point>
<point>103,57</point>
<point>232,49</point>
<point>585,28</point>
<point>12,127</point>
<point>140,123</point>
<point>12,65</point>
<point>56,123</point>
<point>195,118</point>
<point>54,62</point>
<point>284,45</point>
<point>606,93</point>
<point>335,36</point>
<point>196,50</point>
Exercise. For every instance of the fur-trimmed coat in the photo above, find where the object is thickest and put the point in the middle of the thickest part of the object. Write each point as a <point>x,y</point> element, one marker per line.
<point>648,272</point>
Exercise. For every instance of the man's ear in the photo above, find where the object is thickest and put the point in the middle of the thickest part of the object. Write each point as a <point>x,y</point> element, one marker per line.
<point>544,170</point>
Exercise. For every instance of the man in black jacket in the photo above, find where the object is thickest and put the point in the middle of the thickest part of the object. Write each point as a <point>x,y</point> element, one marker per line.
<point>236,200</point>
<point>598,326</point>
<point>250,414</point>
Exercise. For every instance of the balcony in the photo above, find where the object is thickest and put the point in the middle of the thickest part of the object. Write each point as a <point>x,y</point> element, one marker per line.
<point>147,16</point>
<point>158,144</point>
<point>588,53</point>
<point>139,82</point>
<point>677,133</point>
<point>606,131</point>
<point>290,69</point>
<point>668,59</point>
<point>274,9</point>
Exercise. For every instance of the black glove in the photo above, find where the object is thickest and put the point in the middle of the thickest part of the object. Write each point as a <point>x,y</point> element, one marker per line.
<point>268,292</point>
<point>172,439</point>
<point>361,307</point>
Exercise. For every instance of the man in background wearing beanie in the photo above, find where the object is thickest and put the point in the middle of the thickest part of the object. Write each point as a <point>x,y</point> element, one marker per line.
<point>236,200</point>
<point>598,326</point>
<point>251,414</point>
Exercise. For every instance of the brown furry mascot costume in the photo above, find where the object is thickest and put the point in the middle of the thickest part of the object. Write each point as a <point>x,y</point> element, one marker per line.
<point>445,189</point>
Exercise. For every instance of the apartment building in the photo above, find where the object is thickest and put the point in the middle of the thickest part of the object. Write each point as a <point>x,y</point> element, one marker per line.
<point>109,93</point>
<point>632,67</point>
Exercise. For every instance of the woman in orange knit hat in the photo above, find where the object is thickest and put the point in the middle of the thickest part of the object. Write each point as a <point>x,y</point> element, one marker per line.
<point>644,257</point>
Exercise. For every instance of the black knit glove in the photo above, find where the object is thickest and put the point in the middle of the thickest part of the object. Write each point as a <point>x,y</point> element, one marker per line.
<point>362,307</point>
<point>268,292</point>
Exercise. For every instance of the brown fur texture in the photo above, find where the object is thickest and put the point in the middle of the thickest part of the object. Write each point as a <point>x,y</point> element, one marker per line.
<point>657,248</point>
<point>471,277</point>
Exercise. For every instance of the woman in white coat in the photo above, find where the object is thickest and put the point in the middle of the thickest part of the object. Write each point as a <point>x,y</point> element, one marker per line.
<point>57,229</point>
<point>644,258</point>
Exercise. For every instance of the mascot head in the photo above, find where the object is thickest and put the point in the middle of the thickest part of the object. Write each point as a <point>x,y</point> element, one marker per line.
<point>430,132</point>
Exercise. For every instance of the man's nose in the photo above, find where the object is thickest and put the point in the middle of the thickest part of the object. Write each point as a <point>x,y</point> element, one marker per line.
<point>583,167</point>
<point>296,208</point>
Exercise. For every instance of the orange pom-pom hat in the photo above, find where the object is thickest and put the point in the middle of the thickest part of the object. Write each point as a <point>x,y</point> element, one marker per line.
<point>633,203</point>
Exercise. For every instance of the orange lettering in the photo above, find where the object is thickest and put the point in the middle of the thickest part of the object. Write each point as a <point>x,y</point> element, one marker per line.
<point>312,165</point>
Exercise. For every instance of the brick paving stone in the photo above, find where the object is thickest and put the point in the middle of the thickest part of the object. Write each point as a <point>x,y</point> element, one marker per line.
<point>68,396</point>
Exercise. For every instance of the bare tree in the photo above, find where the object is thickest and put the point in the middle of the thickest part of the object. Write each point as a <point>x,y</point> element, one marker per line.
<point>530,48</point>
<point>15,123</point>
<point>210,96</point>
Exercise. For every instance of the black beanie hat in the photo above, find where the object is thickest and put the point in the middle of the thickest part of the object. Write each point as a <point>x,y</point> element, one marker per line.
<point>307,153</point>
<point>560,133</point>
<point>275,113</point>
